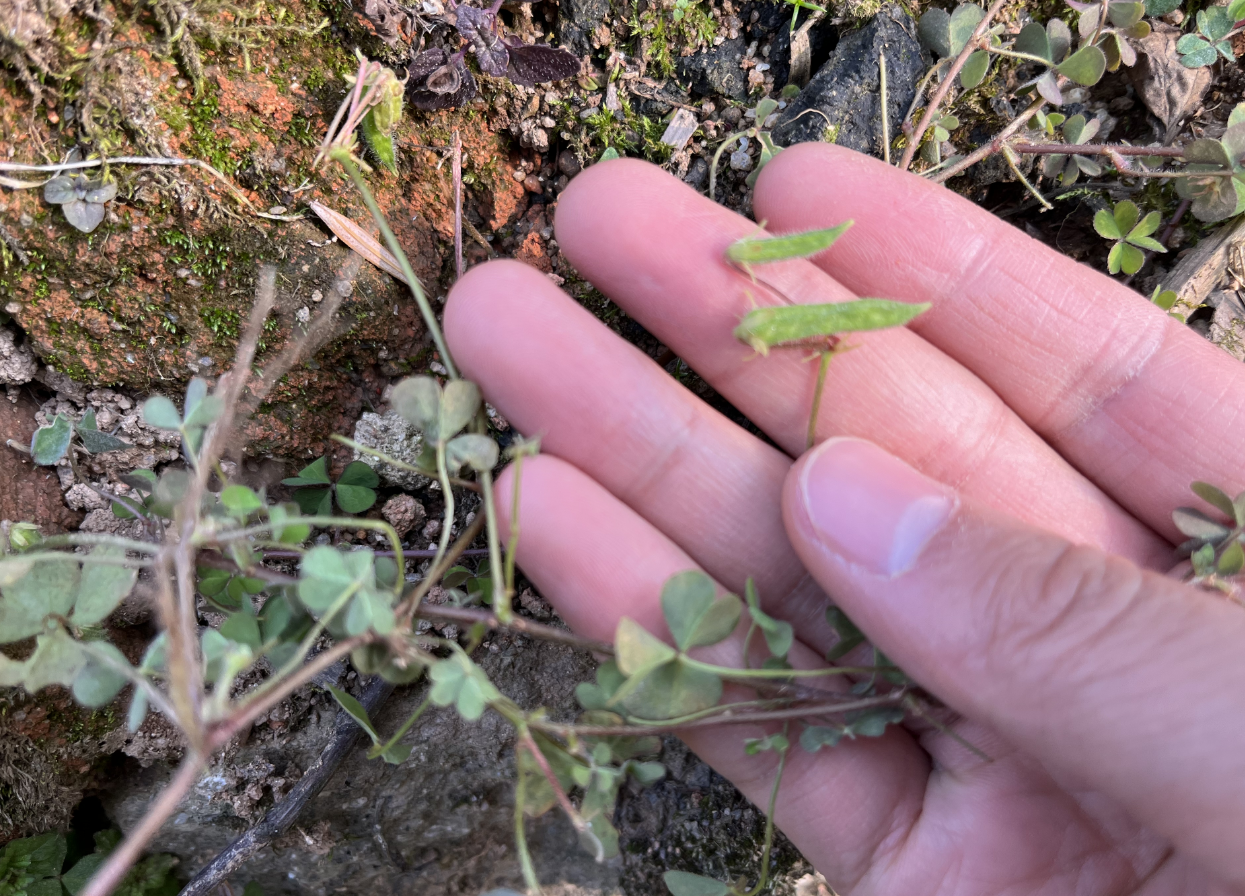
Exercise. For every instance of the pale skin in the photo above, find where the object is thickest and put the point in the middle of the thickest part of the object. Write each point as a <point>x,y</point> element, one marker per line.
<point>1057,419</point>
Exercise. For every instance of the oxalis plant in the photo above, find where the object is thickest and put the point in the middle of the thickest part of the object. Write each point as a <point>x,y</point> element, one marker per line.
<point>1041,64</point>
<point>207,536</point>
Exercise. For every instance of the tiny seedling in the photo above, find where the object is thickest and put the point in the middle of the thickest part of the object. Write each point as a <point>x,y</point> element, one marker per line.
<point>1067,167</point>
<point>1131,235</point>
<point>80,198</point>
<point>355,489</point>
<point>764,115</point>
<point>381,119</point>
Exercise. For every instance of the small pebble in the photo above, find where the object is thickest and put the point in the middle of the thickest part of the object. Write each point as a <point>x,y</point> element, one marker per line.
<point>532,184</point>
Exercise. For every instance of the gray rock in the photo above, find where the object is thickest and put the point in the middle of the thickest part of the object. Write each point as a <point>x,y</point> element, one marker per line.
<point>17,362</point>
<point>716,71</point>
<point>578,20</point>
<point>844,95</point>
<point>391,435</point>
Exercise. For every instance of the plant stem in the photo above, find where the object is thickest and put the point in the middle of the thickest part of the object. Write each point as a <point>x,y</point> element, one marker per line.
<point>769,818</point>
<point>401,732</point>
<point>940,94</point>
<point>886,125</point>
<point>717,157</point>
<point>114,869</point>
<point>1010,158</point>
<point>421,299</point>
<point>501,596</point>
<point>994,145</point>
<point>822,366</point>
<point>1096,149</point>
<point>520,835</point>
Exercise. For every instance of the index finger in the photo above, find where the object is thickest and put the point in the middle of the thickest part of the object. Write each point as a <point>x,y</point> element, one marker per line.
<point>1138,403</point>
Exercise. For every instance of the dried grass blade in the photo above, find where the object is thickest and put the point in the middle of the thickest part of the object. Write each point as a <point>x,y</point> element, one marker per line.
<point>360,240</point>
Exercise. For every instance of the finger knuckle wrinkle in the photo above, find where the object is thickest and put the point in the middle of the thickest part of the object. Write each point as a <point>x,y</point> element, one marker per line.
<point>1054,617</point>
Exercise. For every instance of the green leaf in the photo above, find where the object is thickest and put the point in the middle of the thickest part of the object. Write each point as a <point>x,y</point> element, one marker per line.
<point>598,695</point>
<point>1104,223</point>
<point>1203,560</point>
<point>764,328</point>
<point>459,402</point>
<point>103,585</point>
<point>205,412</point>
<point>1195,524</point>
<point>1197,55</point>
<point>1215,498</point>
<point>138,710</point>
<point>1157,8</point>
<point>755,745</point>
<point>975,69</point>
<point>1123,14</point>
<point>327,573</point>
<point>1148,225</point>
<point>1060,40</point>
<point>750,251</point>
<point>696,617</point>
<point>1034,40</point>
<point>779,635</point>
<point>417,400</point>
<point>1214,23</point>
<point>814,737</point>
<point>98,683</point>
<point>356,711</point>
<point>49,587</point>
<point>159,412</point>
<point>77,877</point>
<point>1145,242</point>
<point>287,532</point>
<point>963,23</point>
<point>637,649</point>
<point>1236,11</point>
<point>57,660</point>
<point>669,690</point>
<point>1126,258</point>
<point>98,442</point>
<point>1126,214</point>
<point>354,498</point>
<point>314,501</point>
<point>315,473</point>
<point>240,501</point>
<point>358,473</point>
<point>49,443</point>
<point>934,30</point>
<point>873,722</point>
<point>45,854</point>
<point>683,883</point>
<point>1084,67</point>
<point>457,680</point>
<point>850,637</point>
<point>473,449</point>
<point>1231,560</point>
<point>242,628</point>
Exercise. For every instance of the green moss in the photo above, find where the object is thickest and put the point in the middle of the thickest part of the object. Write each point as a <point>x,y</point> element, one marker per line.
<point>687,24</point>
<point>205,143</point>
<point>223,322</point>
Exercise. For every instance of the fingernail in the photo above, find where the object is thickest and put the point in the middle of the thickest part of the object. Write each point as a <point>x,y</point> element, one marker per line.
<point>871,508</point>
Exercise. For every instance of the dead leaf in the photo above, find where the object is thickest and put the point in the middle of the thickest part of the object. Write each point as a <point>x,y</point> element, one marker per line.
<point>360,240</point>
<point>1169,89</point>
<point>680,129</point>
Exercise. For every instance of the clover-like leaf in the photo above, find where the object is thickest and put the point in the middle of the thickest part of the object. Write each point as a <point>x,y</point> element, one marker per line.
<point>1125,13</point>
<point>872,722</point>
<point>1084,67</point>
<point>99,681</point>
<point>1232,560</point>
<point>975,69</point>
<point>850,637</point>
<point>355,487</point>
<point>459,402</point>
<point>161,413</point>
<point>1126,258</point>
<point>103,584</point>
<point>57,660</point>
<point>1196,52</point>
<point>327,573</point>
<point>598,695</point>
<point>684,883</point>
<point>637,649</point>
<point>315,473</point>
<point>669,690</point>
<point>84,216</point>
<point>779,635</point>
<point>473,449</point>
<point>44,588</point>
<point>694,614</point>
<point>1216,498</point>
<point>457,680</point>
<point>1105,224</point>
<point>60,190</point>
<point>240,501</point>
<point>49,443</point>
<point>417,400</point>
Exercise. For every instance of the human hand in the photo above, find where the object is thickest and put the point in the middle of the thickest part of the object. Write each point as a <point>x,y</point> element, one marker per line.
<point>1056,419</point>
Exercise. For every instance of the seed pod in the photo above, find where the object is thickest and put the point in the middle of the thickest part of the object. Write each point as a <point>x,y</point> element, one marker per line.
<point>765,328</point>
